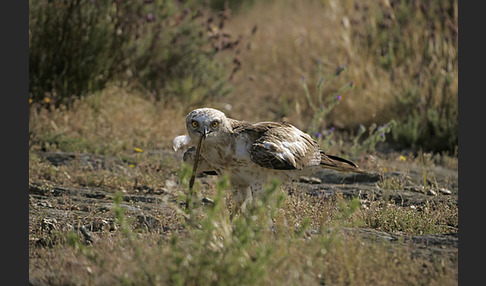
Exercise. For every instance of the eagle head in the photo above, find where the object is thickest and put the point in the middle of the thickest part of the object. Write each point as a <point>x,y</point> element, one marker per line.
<point>205,122</point>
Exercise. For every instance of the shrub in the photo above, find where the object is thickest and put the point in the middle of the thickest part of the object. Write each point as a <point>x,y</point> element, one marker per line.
<point>69,44</point>
<point>77,47</point>
<point>235,5</point>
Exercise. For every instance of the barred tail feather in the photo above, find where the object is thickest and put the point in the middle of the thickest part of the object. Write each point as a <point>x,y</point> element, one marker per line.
<point>339,164</point>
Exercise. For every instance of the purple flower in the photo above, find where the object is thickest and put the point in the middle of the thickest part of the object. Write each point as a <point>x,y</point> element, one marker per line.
<point>303,78</point>
<point>382,134</point>
<point>332,129</point>
<point>150,16</point>
<point>338,97</point>
<point>351,83</point>
<point>318,134</point>
<point>340,69</point>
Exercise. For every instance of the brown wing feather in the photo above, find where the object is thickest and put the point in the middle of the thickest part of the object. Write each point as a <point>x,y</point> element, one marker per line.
<point>237,124</point>
<point>280,146</point>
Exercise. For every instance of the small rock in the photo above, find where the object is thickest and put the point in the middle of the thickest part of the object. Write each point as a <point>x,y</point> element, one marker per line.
<point>170,184</point>
<point>44,204</point>
<point>36,282</point>
<point>445,191</point>
<point>88,235</point>
<point>312,231</point>
<point>310,180</point>
<point>148,222</point>
<point>112,226</point>
<point>42,242</point>
<point>207,200</point>
<point>99,225</point>
<point>431,192</point>
<point>418,189</point>
<point>49,224</point>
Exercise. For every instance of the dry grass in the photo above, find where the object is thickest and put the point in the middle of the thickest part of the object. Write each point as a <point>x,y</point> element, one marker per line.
<point>112,121</point>
<point>413,79</point>
<point>321,260</point>
<point>289,41</point>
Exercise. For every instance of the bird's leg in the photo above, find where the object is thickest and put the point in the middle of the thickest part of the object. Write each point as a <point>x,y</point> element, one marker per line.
<point>259,195</point>
<point>257,191</point>
<point>242,198</point>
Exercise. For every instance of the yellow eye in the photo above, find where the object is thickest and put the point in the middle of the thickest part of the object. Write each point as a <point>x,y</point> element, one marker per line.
<point>194,124</point>
<point>214,124</point>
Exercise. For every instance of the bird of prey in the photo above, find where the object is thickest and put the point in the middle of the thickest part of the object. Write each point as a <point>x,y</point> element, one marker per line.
<point>253,153</point>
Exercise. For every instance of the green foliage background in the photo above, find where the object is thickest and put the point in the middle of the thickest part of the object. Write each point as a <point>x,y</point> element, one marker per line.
<point>77,46</point>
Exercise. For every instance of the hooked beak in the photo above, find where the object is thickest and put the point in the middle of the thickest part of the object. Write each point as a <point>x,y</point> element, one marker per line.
<point>205,132</point>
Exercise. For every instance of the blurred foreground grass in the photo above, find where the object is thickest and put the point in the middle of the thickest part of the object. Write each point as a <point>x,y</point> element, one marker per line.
<point>304,244</point>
